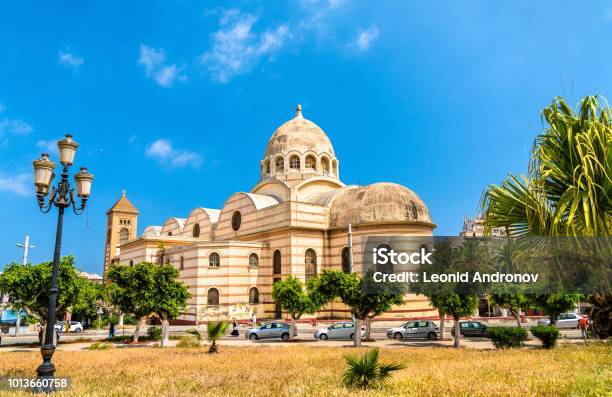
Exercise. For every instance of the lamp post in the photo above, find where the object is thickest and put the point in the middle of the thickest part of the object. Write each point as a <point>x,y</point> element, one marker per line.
<point>61,197</point>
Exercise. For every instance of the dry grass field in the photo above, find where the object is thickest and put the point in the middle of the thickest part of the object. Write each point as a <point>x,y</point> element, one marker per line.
<point>314,371</point>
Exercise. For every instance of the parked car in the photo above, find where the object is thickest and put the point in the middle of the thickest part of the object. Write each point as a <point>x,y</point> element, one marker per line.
<point>342,330</point>
<point>270,330</point>
<point>415,329</point>
<point>471,328</point>
<point>564,320</point>
<point>75,326</point>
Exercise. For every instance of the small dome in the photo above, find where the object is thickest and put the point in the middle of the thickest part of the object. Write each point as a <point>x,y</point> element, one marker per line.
<point>380,202</point>
<point>301,135</point>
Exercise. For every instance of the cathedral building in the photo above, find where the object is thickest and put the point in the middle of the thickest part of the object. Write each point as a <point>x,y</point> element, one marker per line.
<point>294,221</point>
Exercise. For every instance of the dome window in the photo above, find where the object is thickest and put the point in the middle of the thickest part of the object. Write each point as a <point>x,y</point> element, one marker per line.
<point>325,164</point>
<point>294,162</point>
<point>311,162</point>
<point>280,165</point>
<point>236,220</point>
<point>196,230</point>
<point>267,167</point>
<point>414,211</point>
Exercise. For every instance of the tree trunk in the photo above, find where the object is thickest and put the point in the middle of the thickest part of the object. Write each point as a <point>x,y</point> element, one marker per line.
<point>442,324</point>
<point>17,322</point>
<point>517,316</point>
<point>292,328</point>
<point>165,330</point>
<point>368,321</point>
<point>357,333</point>
<point>457,332</point>
<point>137,331</point>
<point>120,319</point>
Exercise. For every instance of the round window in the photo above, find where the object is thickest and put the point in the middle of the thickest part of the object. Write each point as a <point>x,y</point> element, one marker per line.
<point>236,220</point>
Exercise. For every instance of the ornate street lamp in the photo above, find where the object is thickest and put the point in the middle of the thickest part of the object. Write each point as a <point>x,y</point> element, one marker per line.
<point>62,197</point>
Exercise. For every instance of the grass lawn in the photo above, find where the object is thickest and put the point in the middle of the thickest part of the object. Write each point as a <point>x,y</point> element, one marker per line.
<point>313,371</point>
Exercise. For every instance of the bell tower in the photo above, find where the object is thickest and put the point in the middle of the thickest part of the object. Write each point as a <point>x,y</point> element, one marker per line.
<point>121,226</point>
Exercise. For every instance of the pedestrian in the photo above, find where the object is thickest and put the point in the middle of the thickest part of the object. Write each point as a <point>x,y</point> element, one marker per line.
<point>235,329</point>
<point>584,323</point>
<point>254,320</point>
<point>111,331</point>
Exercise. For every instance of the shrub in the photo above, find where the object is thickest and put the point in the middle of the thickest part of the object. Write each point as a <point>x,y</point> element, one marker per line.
<point>121,338</point>
<point>546,334</point>
<point>100,346</point>
<point>365,371</point>
<point>188,342</point>
<point>507,337</point>
<point>155,333</point>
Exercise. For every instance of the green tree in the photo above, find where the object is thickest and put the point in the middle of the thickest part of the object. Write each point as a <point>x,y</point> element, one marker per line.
<point>293,298</point>
<point>214,332</point>
<point>555,304</point>
<point>360,294</point>
<point>168,296</point>
<point>568,186</point>
<point>146,289</point>
<point>128,292</point>
<point>513,301</point>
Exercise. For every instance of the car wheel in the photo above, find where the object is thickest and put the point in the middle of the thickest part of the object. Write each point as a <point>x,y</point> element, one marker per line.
<point>398,335</point>
<point>78,330</point>
<point>285,337</point>
<point>253,337</point>
<point>432,336</point>
<point>323,336</point>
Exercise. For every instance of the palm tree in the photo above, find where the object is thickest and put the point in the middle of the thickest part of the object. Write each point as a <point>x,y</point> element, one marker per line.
<point>197,334</point>
<point>568,187</point>
<point>215,331</point>
<point>365,371</point>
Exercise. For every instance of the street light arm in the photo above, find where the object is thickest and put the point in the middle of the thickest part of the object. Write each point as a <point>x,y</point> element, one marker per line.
<point>44,208</point>
<point>81,209</point>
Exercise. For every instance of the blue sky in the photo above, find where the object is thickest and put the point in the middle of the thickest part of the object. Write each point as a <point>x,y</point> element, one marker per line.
<point>441,96</point>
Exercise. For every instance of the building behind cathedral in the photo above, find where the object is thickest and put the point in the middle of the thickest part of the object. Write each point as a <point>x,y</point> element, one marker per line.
<point>292,222</point>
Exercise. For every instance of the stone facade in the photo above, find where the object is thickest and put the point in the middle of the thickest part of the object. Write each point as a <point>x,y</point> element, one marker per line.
<point>293,222</point>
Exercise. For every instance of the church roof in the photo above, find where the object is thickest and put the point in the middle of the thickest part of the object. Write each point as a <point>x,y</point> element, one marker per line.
<point>123,204</point>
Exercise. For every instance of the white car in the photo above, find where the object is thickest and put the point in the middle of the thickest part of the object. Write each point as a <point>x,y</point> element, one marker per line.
<point>564,320</point>
<point>75,326</point>
<point>343,330</point>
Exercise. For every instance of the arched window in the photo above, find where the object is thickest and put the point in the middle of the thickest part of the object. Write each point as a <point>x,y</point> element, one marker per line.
<point>346,264</point>
<point>124,235</point>
<point>294,162</point>
<point>325,164</point>
<point>253,296</point>
<point>310,263</point>
<point>311,162</point>
<point>253,260</point>
<point>236,220</point>
<point>280,164</point>
<point>276,268</point>
<point>196,230</point>
<point>267,166</point>
<point>169,233</point>
<point>387,267</point>
<point>181,263</point>
<point>214,260</point>
<point>414,211</point>
<point>212,298</point>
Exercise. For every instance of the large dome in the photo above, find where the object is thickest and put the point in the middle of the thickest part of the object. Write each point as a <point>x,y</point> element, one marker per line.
<point>380,202</point>
<point>301,135</point>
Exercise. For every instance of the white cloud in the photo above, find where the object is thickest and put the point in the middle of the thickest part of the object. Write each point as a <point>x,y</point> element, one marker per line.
<point>20,184</point>
<point>49,146</point>
<point>154,62</point>
<point>14,126</point>
<point>70,60</point>
<point>163,151</point>
<point>236,47</point>
<point>366,38</point>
